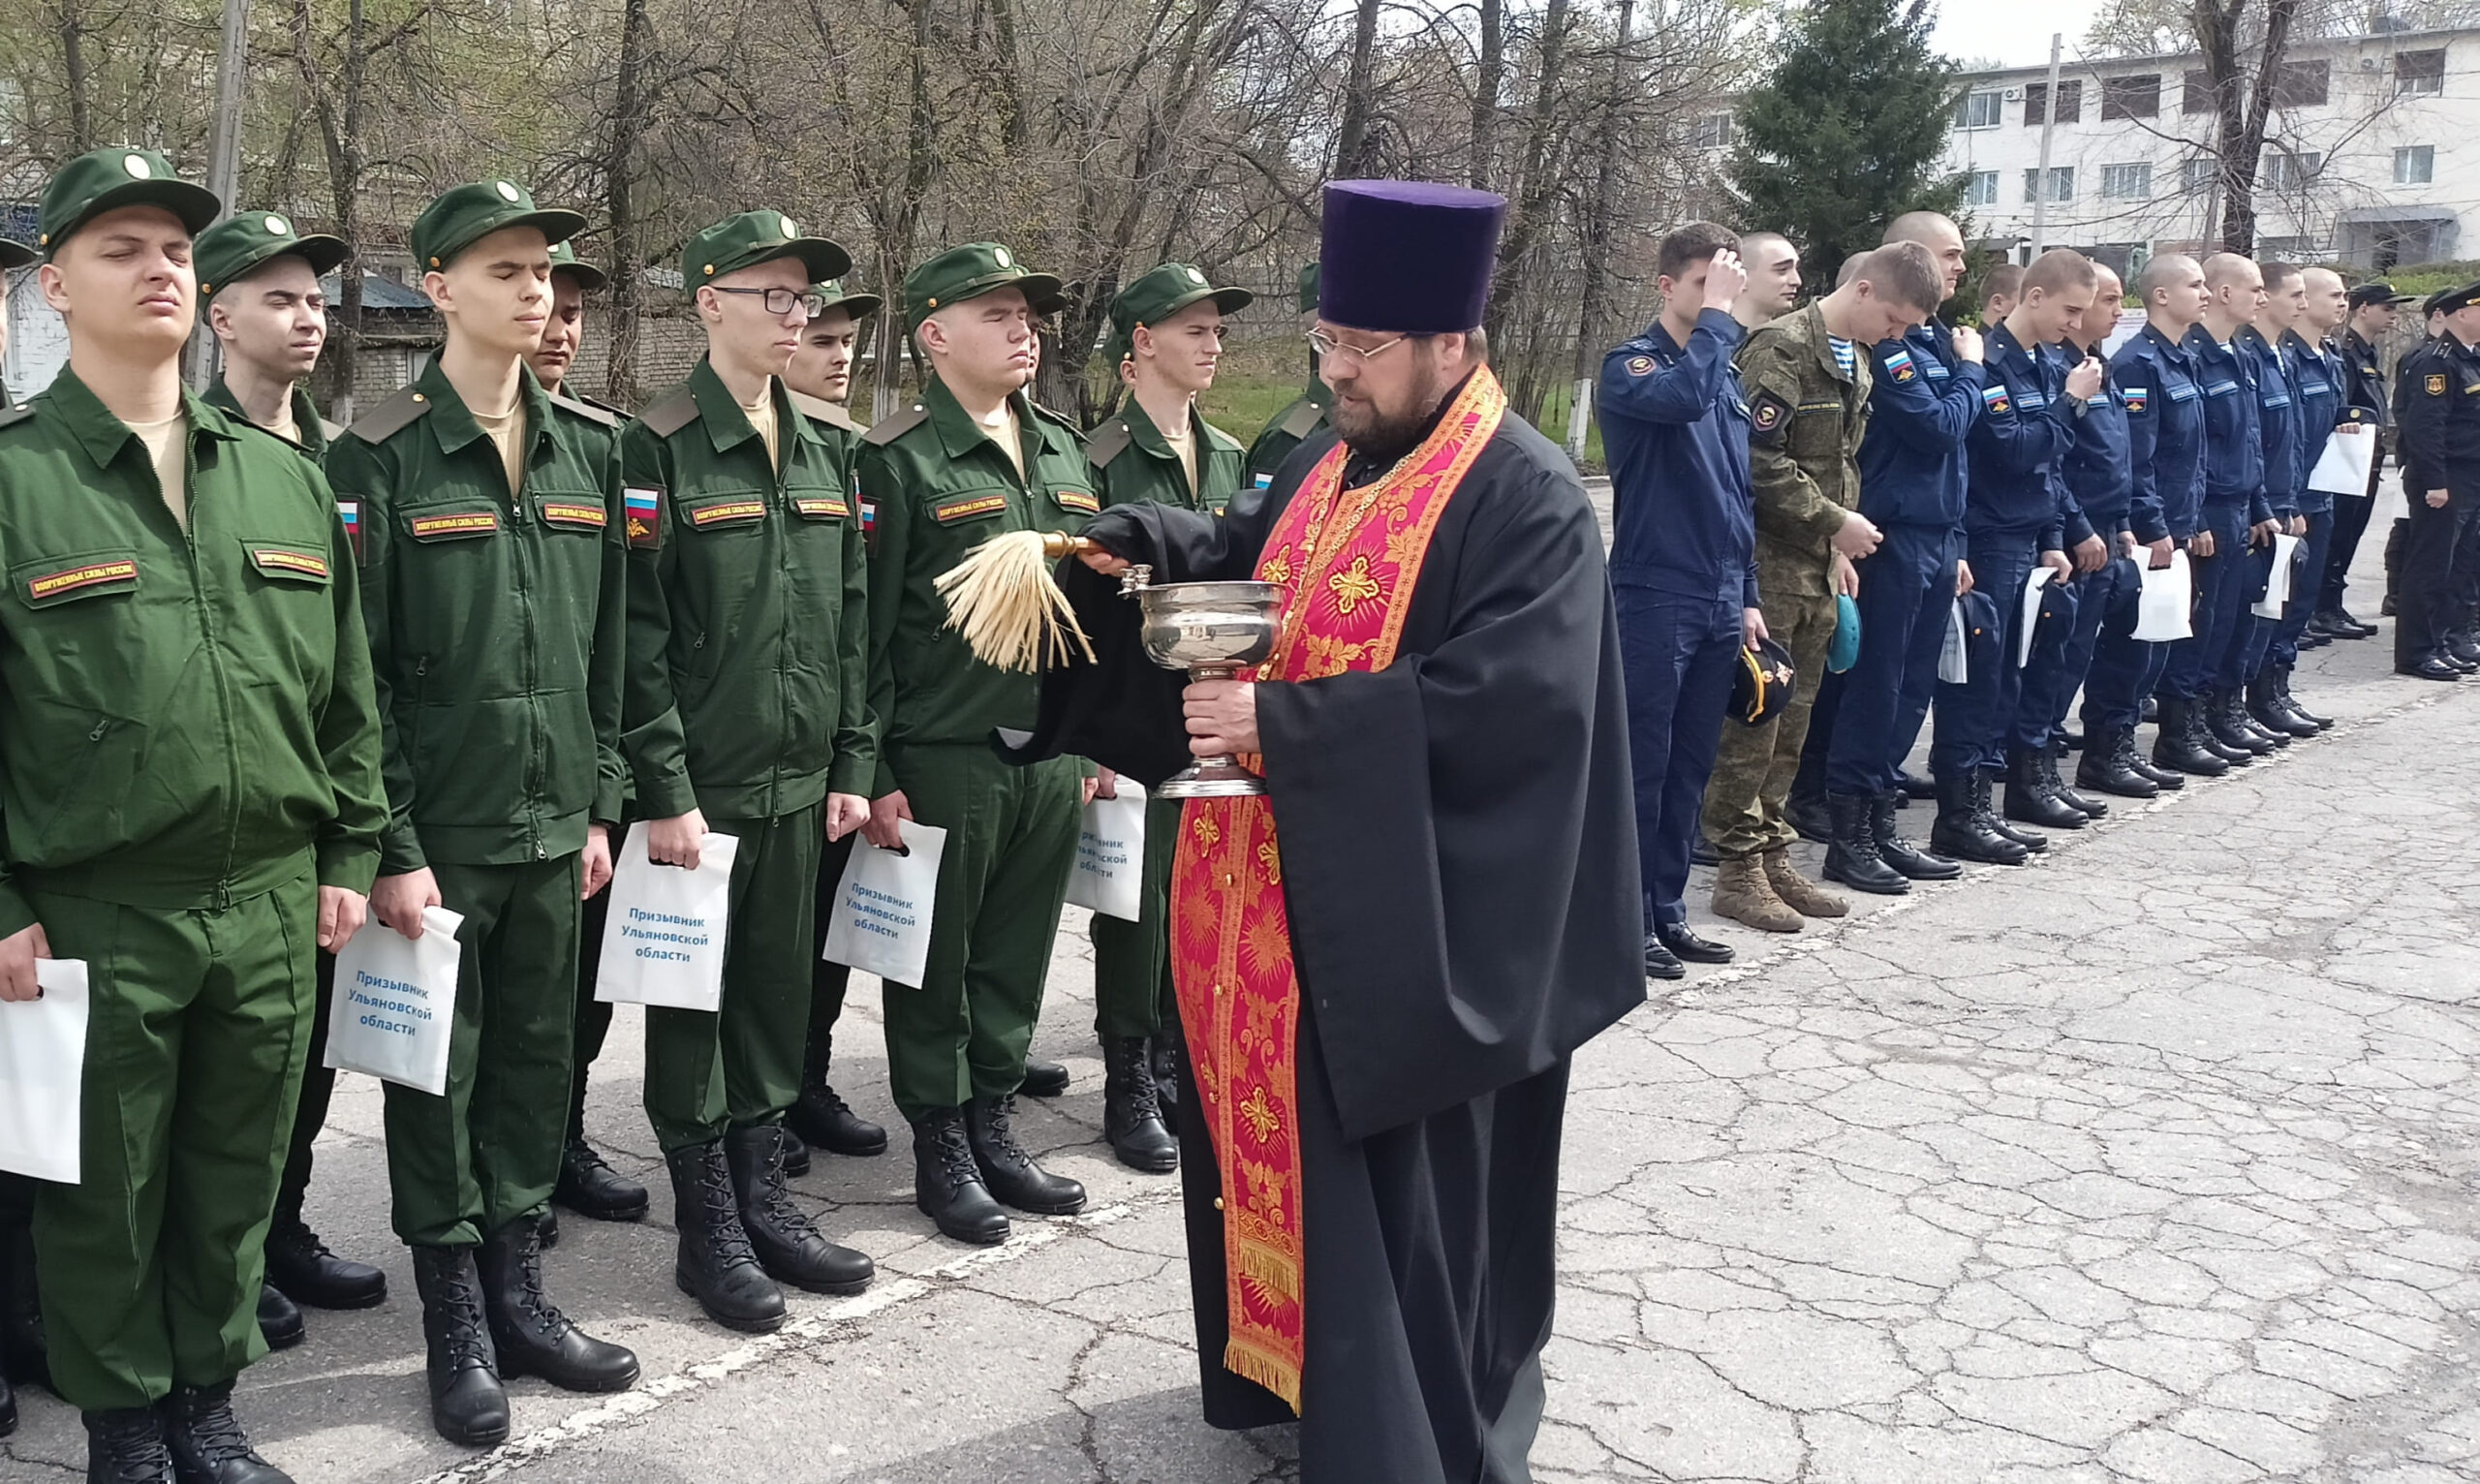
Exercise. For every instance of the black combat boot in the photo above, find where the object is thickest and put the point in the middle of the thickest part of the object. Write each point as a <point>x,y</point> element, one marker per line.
<point>1043,1079</point>
<point>947,1183</point>
<point>2108,764</point>
<point>1911,785</point>
<point>2175,745</point>
<point>2265,707</point>
<point>206,1441</point>
<point>823,1119</point>
<point>1165,1053</point>
<point>468,1405</point>
<point>2228,725</point>
<point>125,1445</point>
<point>25,1359</point>
<point>2290,703</point>
<point>529,1332</point>
<point>280,1319</point>
<point>789,1246</point>
<point>1809,815</point>
<point>1901,854</point>
<point>1960,833</point>
<point>300,1266</point>
<point>796,1156</point>
<point>2028,797</point>
<point>1985,806</point>
<point>2090,807</point>
<point>1852,853</point>
<point>715,1265</point>
<point>1007,1170</point>
<point>1132,1118</point>
<point>591,1187</point>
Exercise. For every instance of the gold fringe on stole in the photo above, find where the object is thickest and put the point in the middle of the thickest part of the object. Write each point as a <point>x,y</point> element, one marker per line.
<point>1252,1364</point>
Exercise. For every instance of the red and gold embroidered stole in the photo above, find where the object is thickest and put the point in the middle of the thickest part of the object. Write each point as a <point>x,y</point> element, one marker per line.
<point>1349,559</point>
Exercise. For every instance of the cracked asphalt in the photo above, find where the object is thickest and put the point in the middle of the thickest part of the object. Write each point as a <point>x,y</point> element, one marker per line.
<point>2149,1161</point>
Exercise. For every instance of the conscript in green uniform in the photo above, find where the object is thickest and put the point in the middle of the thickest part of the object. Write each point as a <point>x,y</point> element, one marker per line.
<point>748,716</point>
<point>1167,328</point>
<point>973,458</point>
<point>257,290</point>
<point>588,1184</point>
<point>189,802</point>
<point>494,586</point>
<point>1307,412</point>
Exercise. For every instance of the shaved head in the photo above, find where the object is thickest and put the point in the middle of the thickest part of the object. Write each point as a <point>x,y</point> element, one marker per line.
<point>2163,271</point>
<point>1937,233</point>
<point>2225,270</point>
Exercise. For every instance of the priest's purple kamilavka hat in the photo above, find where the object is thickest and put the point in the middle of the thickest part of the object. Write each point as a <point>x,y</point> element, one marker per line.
<point>1407,257</point>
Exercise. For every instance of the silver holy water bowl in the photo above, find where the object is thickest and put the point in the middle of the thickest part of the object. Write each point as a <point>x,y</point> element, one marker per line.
<point>1210,629</point>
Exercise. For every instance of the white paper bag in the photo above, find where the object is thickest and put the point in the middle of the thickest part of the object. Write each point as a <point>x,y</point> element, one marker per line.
<point>882,908</point>
<point>395,1002</point>
<point>2278,586</point>
<point>1110,855</point>
<point>1954,657</point>
<point>43,1059</point>
<point>663,944</point>
<point>2343,468</point>
<point>2161,608</point>
<point>2038,578</point>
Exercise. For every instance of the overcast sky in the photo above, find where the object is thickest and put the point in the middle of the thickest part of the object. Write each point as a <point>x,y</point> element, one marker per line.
<point>2012,35</point>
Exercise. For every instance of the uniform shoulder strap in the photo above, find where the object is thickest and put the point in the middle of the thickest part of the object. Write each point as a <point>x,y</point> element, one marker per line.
<point>11,417</point>
<point>586,410</point>
<point>390,417</point>
<point>1057,419</point>
<point>1108,443</point>
<point>821,410</point>
<point>885,433</point>
<point>1303,419</point>
<point>672,411</point>
<point>1216,436</point>
<point>329,430</point>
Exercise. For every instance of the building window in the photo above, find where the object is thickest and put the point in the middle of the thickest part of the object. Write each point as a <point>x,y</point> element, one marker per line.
<point>1979,108</point>
<point>1714,132</point>
<point>2199,175</point>
<point>2301,85</point>
<point>2195,93</point>
<point>1981,188</point>
<point>2287,169</point>
<point>2127,182</point>
<point>2420,74</point>
<point>2061,184</point>
<point>2131,97</point>
<point>2287,250</point>
<point>2415,164</point>
<point>2071,103</point>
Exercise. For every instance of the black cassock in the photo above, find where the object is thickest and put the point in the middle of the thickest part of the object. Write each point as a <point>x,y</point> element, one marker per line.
<point>1459,866</point>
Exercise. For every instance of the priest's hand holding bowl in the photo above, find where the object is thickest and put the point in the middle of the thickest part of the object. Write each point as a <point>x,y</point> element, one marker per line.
<point>1222,717</point>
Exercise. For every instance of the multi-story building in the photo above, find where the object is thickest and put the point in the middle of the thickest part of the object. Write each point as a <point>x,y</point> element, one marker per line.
<point>2372,156</point>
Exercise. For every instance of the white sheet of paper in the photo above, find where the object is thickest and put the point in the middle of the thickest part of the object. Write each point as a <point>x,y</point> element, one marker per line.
<point>2033,585</point>
<point>2343,468</point>
<point>669,927</point>
<point>1954,657</point>
<point>43,1065</point>
<point>2278,587</point>
<point>2162,607</point>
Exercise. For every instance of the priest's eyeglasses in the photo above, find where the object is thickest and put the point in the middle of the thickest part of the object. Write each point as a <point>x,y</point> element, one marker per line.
<point>1328,348</point>
<point>780,302</point>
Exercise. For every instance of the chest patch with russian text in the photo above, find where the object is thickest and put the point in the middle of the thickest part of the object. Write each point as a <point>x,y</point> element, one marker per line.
<point>461,523</point>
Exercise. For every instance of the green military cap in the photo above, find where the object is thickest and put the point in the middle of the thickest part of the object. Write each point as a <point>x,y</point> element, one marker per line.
<point>752,237</point>
<point>971,271</point>
<point>565,259</point>
<point>1309,289</point>
<point>234,246</point>
<point>1157,293</point>
<point>15,254</point>
<point>463,215</point>
<point>860,306</point>
<point>103,180</point>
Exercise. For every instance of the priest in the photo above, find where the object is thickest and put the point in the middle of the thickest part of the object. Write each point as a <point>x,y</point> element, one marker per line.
<point>1384,965</point>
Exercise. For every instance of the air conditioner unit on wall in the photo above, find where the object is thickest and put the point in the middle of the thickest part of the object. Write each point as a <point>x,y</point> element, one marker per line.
<point>2014,95</point>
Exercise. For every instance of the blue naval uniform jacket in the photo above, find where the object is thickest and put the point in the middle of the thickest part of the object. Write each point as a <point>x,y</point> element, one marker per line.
<point>2323,385</point>
<point>2234,449</point>
<point>2019,447</point>
<point>2165,399</point>
<point>2277,424</point>
<point>1674,428</point>
<point>2097,475</point>
<point>1922,404</point>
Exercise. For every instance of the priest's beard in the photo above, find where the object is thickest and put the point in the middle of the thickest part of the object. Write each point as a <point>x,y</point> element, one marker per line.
<point>1384,437</point>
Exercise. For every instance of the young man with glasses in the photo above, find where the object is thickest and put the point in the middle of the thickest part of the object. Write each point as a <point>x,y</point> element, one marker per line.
<point>746,716</point>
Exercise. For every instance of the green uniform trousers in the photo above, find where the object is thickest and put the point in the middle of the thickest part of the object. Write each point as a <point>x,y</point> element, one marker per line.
<point>197,1028</point>
<point>593,1017</point>
<point>1132,992</point>
<point>740,1066</point>
<point>829,979</point>
<point>1011,840</point>
<point>1754,768</point>
<point>486,1152</point>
